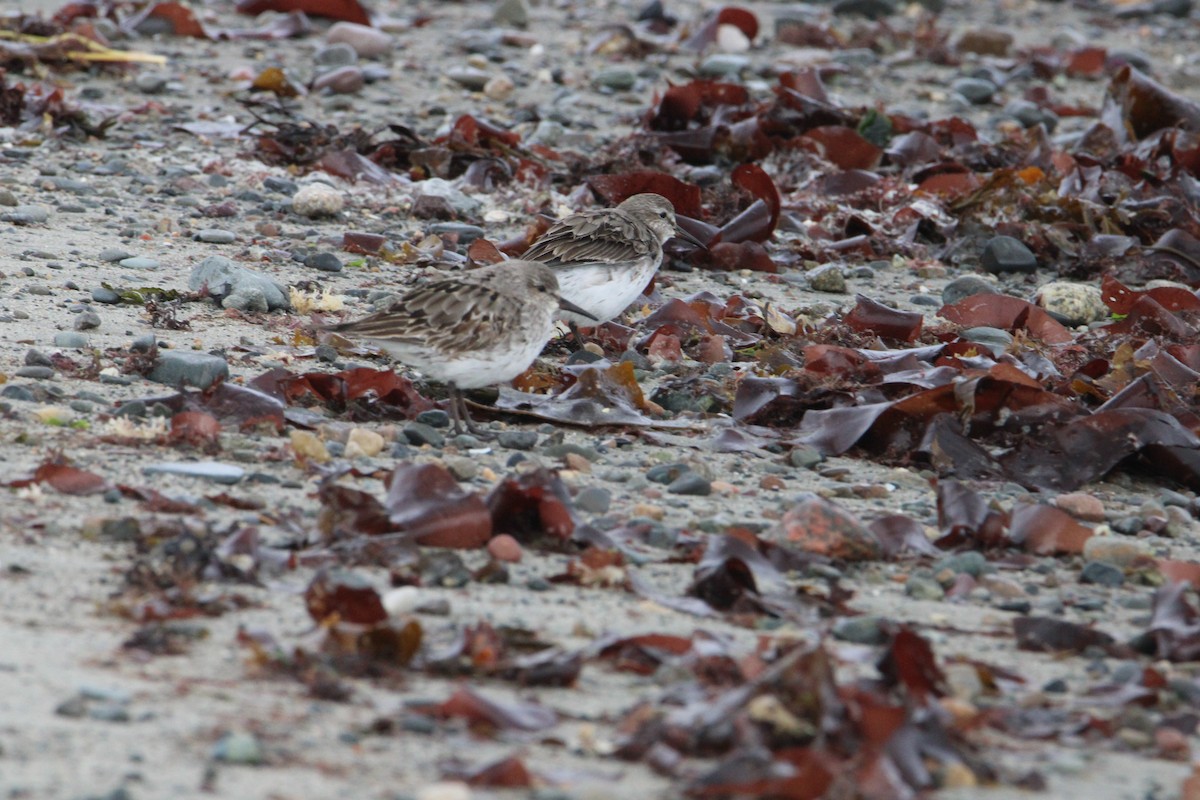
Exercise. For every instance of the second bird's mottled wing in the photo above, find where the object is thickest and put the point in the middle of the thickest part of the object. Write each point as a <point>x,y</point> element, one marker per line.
<point>449,316</point>
<point>605,237</point>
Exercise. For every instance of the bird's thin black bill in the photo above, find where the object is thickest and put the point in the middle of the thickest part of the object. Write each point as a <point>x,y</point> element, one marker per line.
<point>567,305</point>
<point>680,233</point>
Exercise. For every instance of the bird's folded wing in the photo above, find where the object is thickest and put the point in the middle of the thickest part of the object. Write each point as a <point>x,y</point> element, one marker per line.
<point>446,313</point>
<point>584,238</point>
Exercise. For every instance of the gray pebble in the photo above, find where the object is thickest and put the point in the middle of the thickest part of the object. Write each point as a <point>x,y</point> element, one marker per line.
<point>215,236</point>
<point>36,373</point>
<point>469,77</point>
<point>418,433</point>
<point>921,588</point>
<point>616,78</point>
<point>151,82</point>
<point>14,392</point>
<point>26,215</point>
<point>36,358</point>
<point>247,298</point>
<point>114,254</point>
<point>333,56</point>
<point>517,440</point>
<point>71,340</point>
<point>723,65</point>
<point>860,630</point>
<point>140,262</point>
<point>325,262</point>
<point>222,277</point>
<point>465,233</point>
<point>594,500</point>
<point>214,471</point>
<point>106,296</point>
<point>280,185</point>
<point>87,321</point>
<point>435,417</point>
<point>805,457</point>
<point>977,90</point>
<point>178,368</point>
<point>1006,254</point>
<point>970,563</point>
<point>996,340</point>
<point>511,13</point>
<point>828,278</point>
<point>238,748</point>
<point>1102,574</point>
<point>871,9</point>
<point>964,287</point>
<point>690,484</point>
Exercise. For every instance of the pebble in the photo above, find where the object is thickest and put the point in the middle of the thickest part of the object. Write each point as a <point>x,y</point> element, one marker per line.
<point>724,65</point>
<point>511,13</point>
<point>363,443</point>
<point>325,262</point>
<point>214,471</point>
<point>995,339</point>
<point>462,468</point>
<point>35,372</point>
<point>499,87</point>
<point>437,418</point>
<point>1030,114</point>
<point>444,790</point>
<point>105,296</point>
<point>1101,573</point>
<point>690,484</point>
<point>1118,551</point>
<point>1006,254</point>
<point>1081,505</point>
<point>343,80</point>
<point>987,42</point>
<point>619,79</point>
<point>438,189</point>
<point>317,200</point>
<point>966,286</point>
<point>968,563</point>
<point>828,278</point>
<point>238,748</point>
<point>26,215</point>
<point>922,588</point>
<point>182,368</point>
<point>402,600</point>
<point>71,340</point>
<point>335,55</point>
<point>1074,303</point>
<point>114,254</point>
<point>977,91</point>
<point>805,457</point>
<point>516,440</point>
<point>367,42</point>
<point>465,233</point>
<point>225,278</point>
<point>307,445</point>
<point>871,9</point>
<point>151,82</point>
<point>860,630</point>
<point>504,548</point>
<point>418,433</point>
<point>36,358</point>
<point>594,500</point>
<point>86,321</point>
<point>469,77</point>
<point>140,262</point>
<point>215,236</point>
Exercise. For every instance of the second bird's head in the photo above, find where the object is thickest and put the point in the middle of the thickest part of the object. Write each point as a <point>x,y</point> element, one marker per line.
<point>657,214</point>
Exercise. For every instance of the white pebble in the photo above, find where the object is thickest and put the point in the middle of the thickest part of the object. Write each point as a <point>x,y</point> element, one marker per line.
<point>318,200</point>
<point>401,600</point>
<point>445,790</point>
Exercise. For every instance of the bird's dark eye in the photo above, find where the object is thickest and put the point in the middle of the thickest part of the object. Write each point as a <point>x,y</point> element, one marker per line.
<point>663,214</point>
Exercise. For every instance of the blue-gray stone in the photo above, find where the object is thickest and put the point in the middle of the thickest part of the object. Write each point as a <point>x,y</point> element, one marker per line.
<point>26,215</point>
<point>36,372</point>
<point>1102,573</point>
<point>214,471</point>
<point>966,286</point>
<point>418,433</point>
<point>106,296</point>
<point>179,368</point>
<point>977,90</point>
<point>326,262</point>
<point>71,340</point>
<point>215,236</point>
<point>238,748</point>
<point>139,262</point>
<point>223,277</point>
<point>517,440</point>
<point>113,254</point>
<point>690,484</point>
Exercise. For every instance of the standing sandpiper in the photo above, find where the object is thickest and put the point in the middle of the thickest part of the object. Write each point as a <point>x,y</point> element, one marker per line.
<point>470,330</point>
<point>604,258</point>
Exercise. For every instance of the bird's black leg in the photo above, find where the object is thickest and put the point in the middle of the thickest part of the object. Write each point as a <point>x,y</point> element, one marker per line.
<point>462,417</point>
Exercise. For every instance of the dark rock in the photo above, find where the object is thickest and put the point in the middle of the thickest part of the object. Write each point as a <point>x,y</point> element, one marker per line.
<point>1006,254</point>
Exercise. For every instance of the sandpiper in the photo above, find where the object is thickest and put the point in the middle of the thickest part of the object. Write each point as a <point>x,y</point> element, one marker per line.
<point>604,258</point>
<point>473,329</point>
